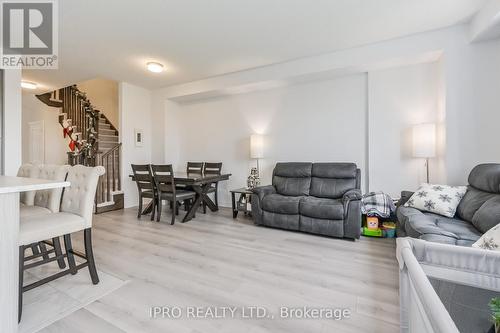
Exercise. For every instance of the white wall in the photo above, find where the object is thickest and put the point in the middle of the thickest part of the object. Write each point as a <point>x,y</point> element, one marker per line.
<point>103,94</point>
<point>157,128</point>
<point>135,113</point>
<point>398,99</point>
<point>472,74</point>
<point>56,145</point>
<point>467,98</point>
<point>317,121</point>
<point>12,121</point>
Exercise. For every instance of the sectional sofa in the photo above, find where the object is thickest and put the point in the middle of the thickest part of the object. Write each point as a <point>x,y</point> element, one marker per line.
<point>477,212</point>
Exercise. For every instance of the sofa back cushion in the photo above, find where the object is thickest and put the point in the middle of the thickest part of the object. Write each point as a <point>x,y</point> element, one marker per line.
<point>332,180</point>
<point>486,177</point>
<point>292,178</point>
<point>481,203</point>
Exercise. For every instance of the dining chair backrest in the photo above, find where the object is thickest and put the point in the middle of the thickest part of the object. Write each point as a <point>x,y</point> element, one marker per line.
<point>51,199</point>
<point>163,176</point>
<point>212,168</point>
<point>28,170</point>
<point>194,167</point>
<point>143,177</point>
<point>78,198</point>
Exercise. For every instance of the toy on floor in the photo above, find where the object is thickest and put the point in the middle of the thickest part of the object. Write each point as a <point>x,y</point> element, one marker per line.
<point>389,229</point>
<point>372,222</point>
<point>374,228</point>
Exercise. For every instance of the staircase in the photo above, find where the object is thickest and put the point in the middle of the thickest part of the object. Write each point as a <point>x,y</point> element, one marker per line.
<point>109,195</point>
<point>93,141</point>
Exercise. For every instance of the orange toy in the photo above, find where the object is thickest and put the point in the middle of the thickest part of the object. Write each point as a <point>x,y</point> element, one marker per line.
<point>372,222</point>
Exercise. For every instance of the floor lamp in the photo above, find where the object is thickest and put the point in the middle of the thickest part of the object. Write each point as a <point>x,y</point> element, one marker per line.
<point>424,143</point>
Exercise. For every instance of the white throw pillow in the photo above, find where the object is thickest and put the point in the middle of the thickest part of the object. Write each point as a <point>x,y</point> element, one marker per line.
<point>490,240</point>
<point>438,199</point>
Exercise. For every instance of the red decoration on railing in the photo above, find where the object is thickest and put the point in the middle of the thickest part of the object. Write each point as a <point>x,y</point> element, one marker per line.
<point>72,145</point>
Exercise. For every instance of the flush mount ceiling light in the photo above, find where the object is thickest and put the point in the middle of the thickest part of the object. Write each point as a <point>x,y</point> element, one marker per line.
<point>154,67</point>
<point>28,85</point>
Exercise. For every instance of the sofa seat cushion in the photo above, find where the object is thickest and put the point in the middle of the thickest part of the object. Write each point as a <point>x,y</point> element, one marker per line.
<point>433,227</point>
<point>322,208</point>
<point>461,229</point>
<point>281,204</point>
<point>446,240</point>
<point>328,227</point>
<point>283,221</point>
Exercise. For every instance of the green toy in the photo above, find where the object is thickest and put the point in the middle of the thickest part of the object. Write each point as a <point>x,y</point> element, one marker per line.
<point>372,232</point>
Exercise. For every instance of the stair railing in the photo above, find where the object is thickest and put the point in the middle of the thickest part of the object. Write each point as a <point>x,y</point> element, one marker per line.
<point>77,107</point>
<point>111,181</point>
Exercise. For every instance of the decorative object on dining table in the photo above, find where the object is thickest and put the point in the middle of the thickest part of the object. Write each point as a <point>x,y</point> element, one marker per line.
<point>254,179</point>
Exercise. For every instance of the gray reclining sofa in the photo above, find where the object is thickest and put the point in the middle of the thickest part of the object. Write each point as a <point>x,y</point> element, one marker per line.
<point>319,198</point>
<point>477,212</point>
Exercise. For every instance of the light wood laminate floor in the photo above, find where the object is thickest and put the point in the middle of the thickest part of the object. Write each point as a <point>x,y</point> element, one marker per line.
<point>214,260</point>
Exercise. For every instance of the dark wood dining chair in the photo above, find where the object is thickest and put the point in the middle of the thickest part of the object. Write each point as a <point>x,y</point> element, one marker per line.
<point>145,185</point>
<point>163,176</point>
<point>191,168</point>
<point>212,169</point>
<point>194,167</point>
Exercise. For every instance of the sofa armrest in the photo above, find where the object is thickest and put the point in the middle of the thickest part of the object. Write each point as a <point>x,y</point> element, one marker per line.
<point>405,196</point>
<point>352,213</point>
<point>258,193</point>
<point>262,191</point>
<point>350,195</point>
<point>352,219</point>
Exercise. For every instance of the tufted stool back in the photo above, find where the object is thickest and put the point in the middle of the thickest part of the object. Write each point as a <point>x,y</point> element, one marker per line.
<point>78,198</point>
<point>51,199</point>
<point>30,171</point>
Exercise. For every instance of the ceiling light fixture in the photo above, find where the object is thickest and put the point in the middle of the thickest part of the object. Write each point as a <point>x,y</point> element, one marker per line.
<point>28,85</point>
<point>155,67</point>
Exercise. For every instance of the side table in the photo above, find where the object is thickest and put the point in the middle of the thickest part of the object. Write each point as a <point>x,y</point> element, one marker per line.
<point>243,202</point>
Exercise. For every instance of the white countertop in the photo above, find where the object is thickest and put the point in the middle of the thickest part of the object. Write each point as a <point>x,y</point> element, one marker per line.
<point>22,184</point>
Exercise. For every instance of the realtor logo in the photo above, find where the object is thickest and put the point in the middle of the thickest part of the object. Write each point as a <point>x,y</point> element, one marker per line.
<point>29,34</point>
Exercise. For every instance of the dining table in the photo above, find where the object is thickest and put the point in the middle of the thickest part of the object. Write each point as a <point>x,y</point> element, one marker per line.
<point>10,189</point>
<point>199,183</point>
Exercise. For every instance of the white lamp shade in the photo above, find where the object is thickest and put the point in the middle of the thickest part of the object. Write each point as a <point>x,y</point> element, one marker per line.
<point>424,140</point>
<point>256,146</point>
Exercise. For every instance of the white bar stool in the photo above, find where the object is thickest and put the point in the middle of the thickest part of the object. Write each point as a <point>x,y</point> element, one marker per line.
<point>75,215</point>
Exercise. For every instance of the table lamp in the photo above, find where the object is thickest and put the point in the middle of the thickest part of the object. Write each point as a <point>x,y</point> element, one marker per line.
<point>256,148</point>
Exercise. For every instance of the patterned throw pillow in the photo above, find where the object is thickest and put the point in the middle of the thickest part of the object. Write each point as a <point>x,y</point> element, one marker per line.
<point>490,240</point>
<point>438,199</point>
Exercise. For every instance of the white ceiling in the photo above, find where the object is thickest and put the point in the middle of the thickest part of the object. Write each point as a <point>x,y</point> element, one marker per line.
<point>197,39</point>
